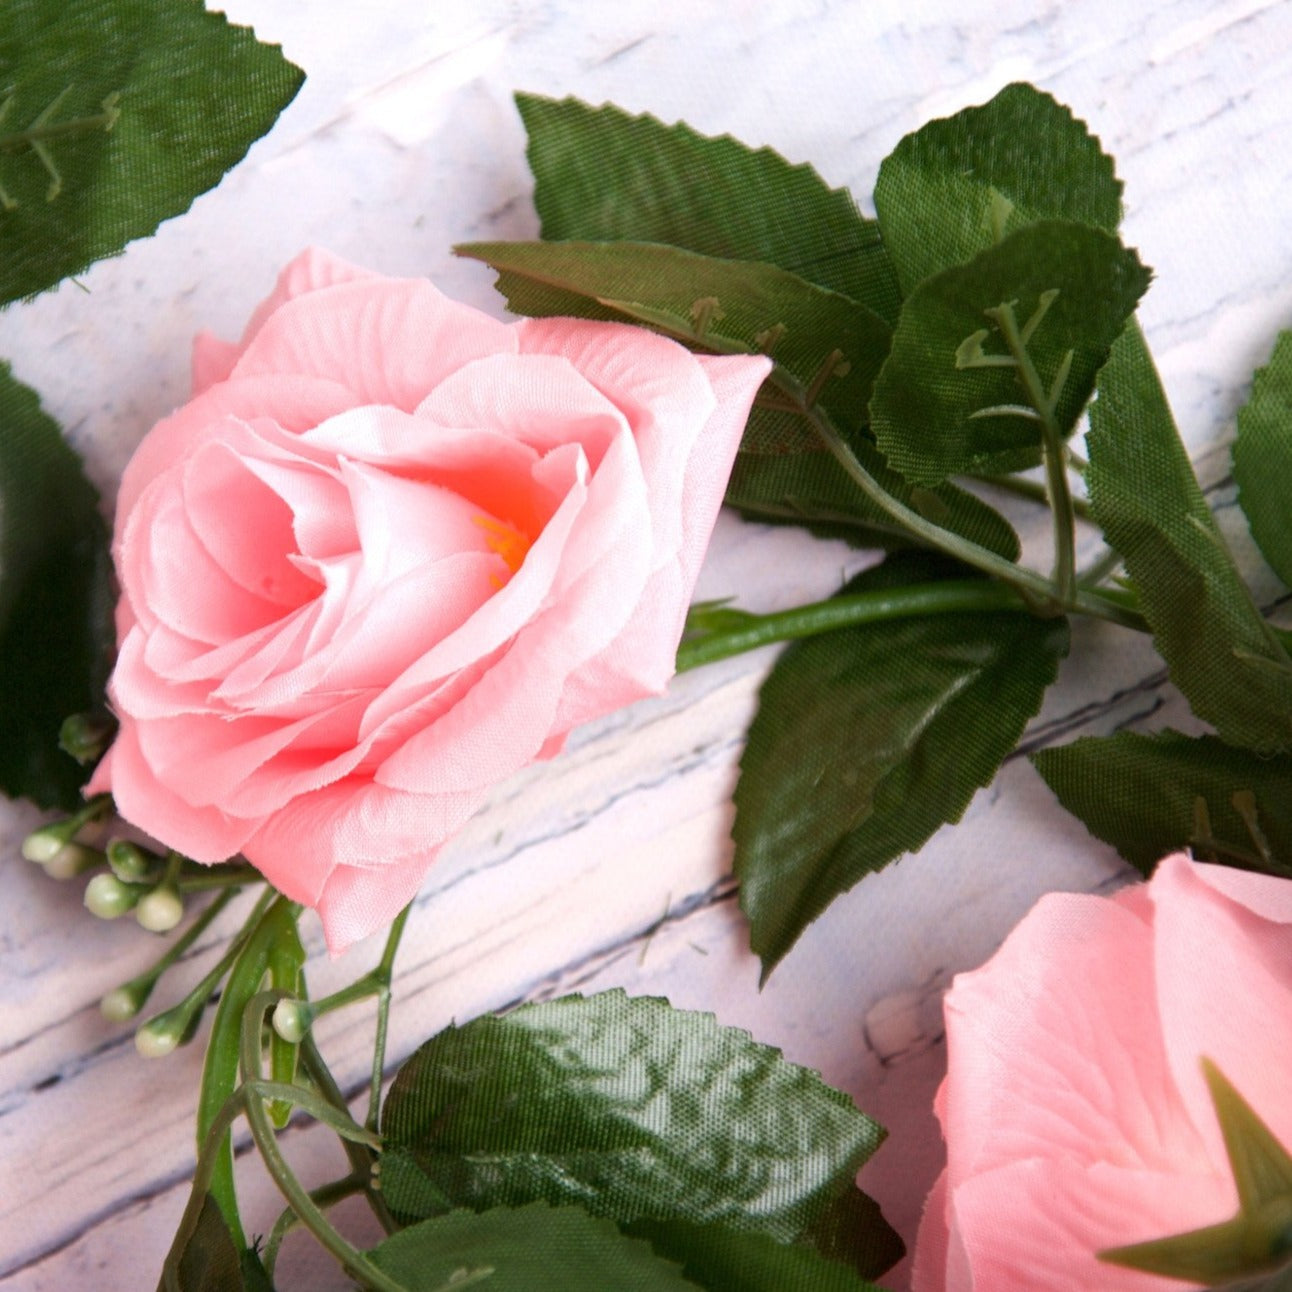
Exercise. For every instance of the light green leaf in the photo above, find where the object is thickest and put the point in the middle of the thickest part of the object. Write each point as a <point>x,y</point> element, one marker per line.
<point>728,1260</point>
<point>602,175</point>
<point>931,409</point>
<point>1224,657</point>
<point>730,306</point>
<point>55,600</point>
<point>959,184</point>
<point>1263,459</point>
<point>183,92</point>
<point>870,738</point>
<point>631,1109</point>
<point>1151,795</point>
<point>521,1249</point>
<point>810,488</point>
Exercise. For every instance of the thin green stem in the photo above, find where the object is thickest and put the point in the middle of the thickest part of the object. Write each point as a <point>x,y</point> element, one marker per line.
<point>384,970</point>
<point>1034,588</point>
<point>148,979</point>
<point>1031,490</point>
<point>248,958</point>
<point>325,1195</point>
<point>919,600</point>
<point>1100,568</point>
<point>206,878</point>
<point>1053,451</point>
<point>352,1261</point>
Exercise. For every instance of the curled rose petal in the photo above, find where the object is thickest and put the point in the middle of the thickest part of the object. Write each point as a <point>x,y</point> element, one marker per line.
<point>390,552</point>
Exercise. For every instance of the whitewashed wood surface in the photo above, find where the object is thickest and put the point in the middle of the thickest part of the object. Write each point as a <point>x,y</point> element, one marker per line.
<point>403,141</point>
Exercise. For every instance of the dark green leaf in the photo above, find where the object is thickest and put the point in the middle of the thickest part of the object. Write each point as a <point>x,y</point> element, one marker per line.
<point>190,94</point>
<point>525,1248</point>
<point>1263,459</point>
<point>870,738</point>
<point>602,175</point>
<point>731,306</point>
<point>958,184</point>
<point>55,599</point>
<point>811,488</point>
<point>728,1260</point>
<point>209,1260</point>
<point>1151,795</point>
<point>927,413</point>
<point>627,1107</point>
<point>1224,657</point>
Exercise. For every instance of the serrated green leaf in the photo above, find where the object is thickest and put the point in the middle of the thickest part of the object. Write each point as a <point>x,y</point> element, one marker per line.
<point>958,184</point>
<point>524,1248</point>
<point>810,488</point>
<point>927,413</point>
<point>1224,657</point>
<point>1151,795</point>
<point>730,306</point>
<point>1263,459</point>
<point>727,1260</point>
<point>186,95</point>
<point>209,1260</point>
<point>602,175</point>
<point>868,739</point>
<point>55,599</point>
<point>627,1107</point>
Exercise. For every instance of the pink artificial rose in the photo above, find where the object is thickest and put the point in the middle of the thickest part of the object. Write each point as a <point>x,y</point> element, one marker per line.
<point>1075,1110</point>
<point>392,551</point>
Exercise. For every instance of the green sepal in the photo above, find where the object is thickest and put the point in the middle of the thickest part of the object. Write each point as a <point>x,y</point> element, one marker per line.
<point>1224,657</point>
<point>959,184</point>
<point>602,175</point>
<point>171,97</point>
<point>868,739</point>
<point>937,410</point>
<point>1148,795</point>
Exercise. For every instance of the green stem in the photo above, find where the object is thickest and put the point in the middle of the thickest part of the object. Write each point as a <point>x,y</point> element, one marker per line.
<point>325,1195</point>
<point>1100,568</point>
<point>384,971</point>
<point>1053,451</point>
<point>250,960</point>
<point>846,611</point>
<point>1030,490</point>
<point>144,983</point>
<point>352,1261</point>
<point>1035,588</point>
<point>202,879</point>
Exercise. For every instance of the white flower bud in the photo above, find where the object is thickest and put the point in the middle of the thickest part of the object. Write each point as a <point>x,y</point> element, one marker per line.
<point>120,1004</point>
<point>292,1019</point>
<point>70,860</point>
<point>154,1041</point>
<point>43,844</point>
<point>107,897</point>
<point>161,910</point>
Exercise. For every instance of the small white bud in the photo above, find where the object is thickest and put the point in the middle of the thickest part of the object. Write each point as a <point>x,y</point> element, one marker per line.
<point>292,1019</point>
<point>70,860</point>
<point>155,1042</point>
<point>119,1005</point>
<point>161,910</point>
<point>107,897</point>
<point>43,844</point>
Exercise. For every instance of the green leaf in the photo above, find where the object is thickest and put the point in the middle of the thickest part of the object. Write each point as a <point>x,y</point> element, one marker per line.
<point>1224,657</point>
<point>186,95</point>
<point>731,306</point>
<point>55,599</point>
<point>629,1108</point>
<point>958,184</point>
<point>209,1260</point>
<point>602,175</point>
<point>929,410</point>
<point>810,488</point>
<point>728,1260</point>
<point>1263,458</point>
<point>868,739</point>
<point>524,1248</point>
<point>1151,795</point>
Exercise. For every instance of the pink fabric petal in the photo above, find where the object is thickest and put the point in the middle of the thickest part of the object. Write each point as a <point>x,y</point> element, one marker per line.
<point>388,341</point>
